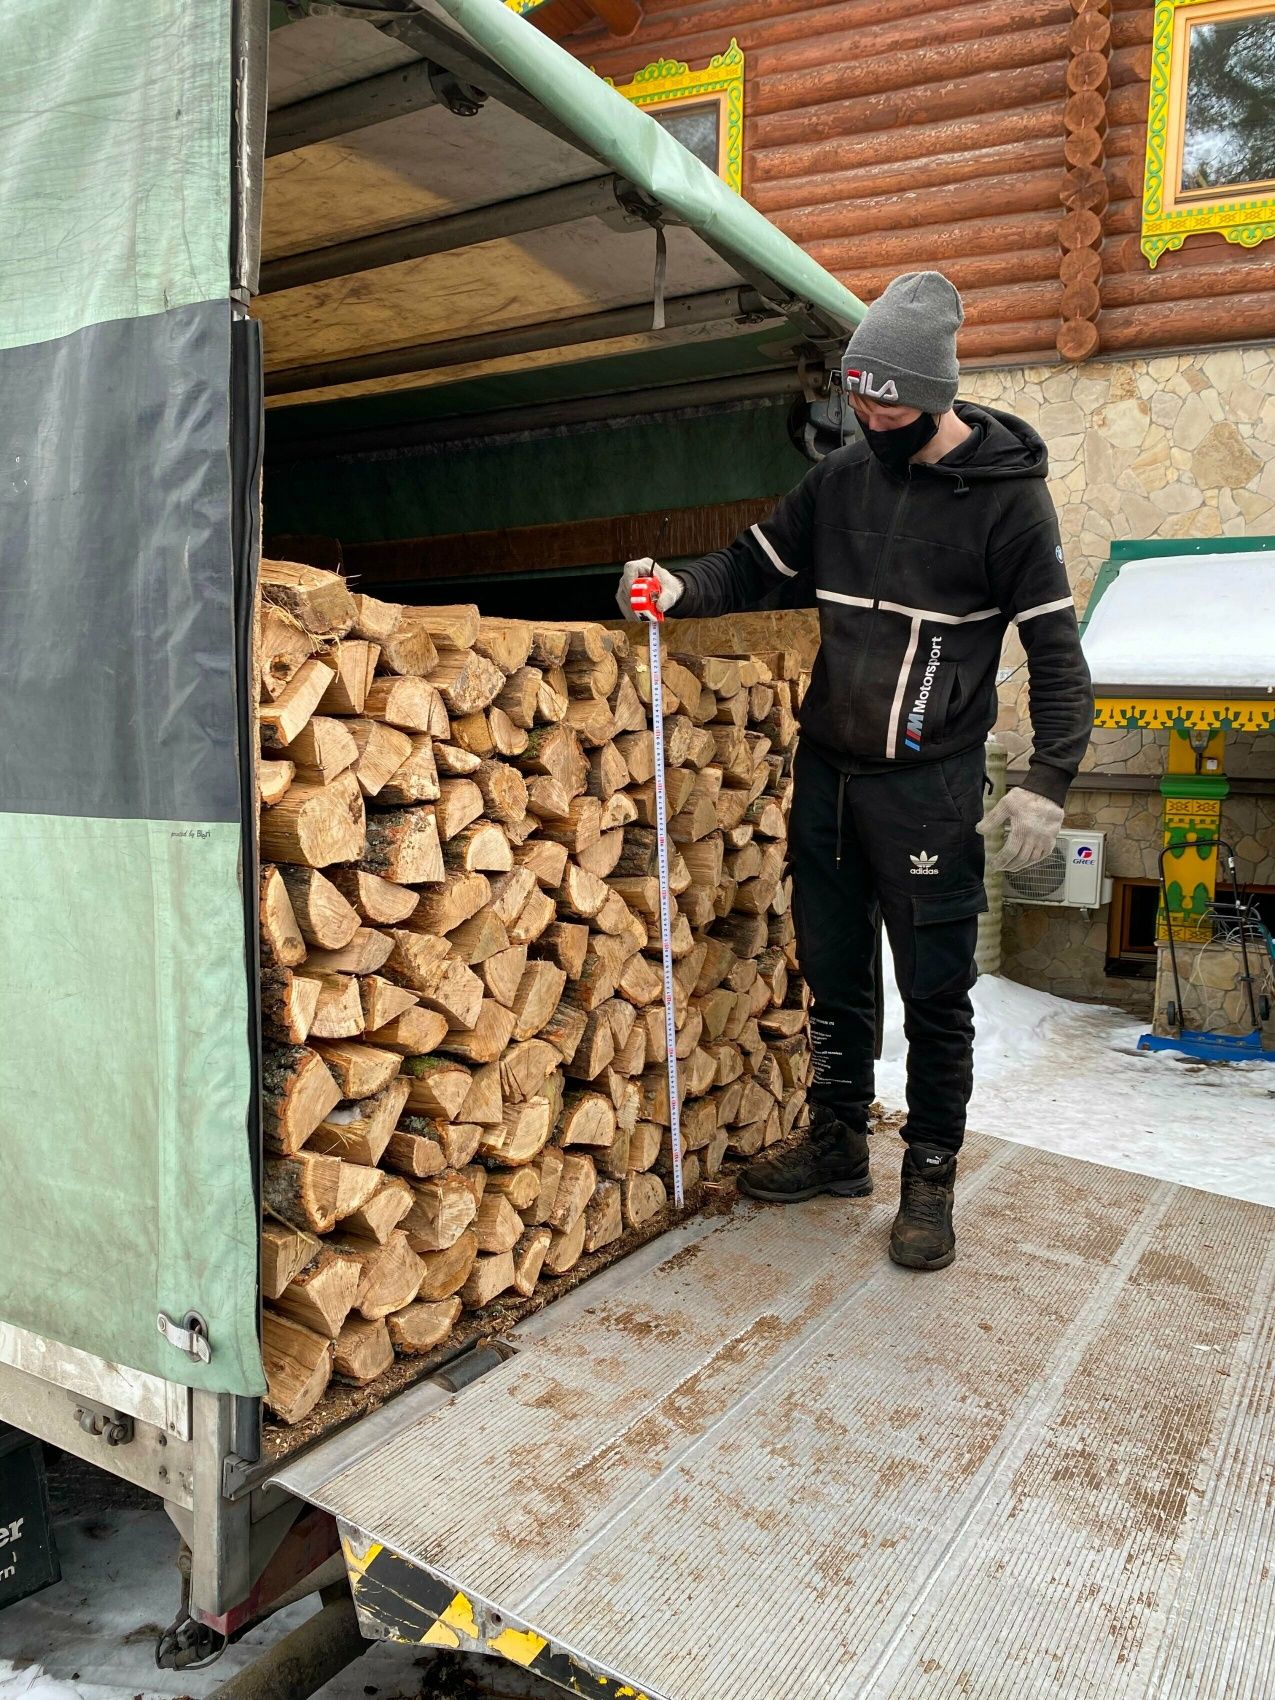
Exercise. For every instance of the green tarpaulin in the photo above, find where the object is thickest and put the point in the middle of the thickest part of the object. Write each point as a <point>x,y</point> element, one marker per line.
<point>125,1054</point>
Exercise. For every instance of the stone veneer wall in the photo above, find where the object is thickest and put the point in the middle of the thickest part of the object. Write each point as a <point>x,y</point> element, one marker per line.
<point>1173,446</point>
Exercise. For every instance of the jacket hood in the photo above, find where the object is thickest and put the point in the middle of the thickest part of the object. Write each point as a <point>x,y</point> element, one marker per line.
<point>1004,446</point>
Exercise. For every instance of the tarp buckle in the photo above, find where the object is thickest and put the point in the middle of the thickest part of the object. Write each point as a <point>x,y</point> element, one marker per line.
<point>189,1336</point>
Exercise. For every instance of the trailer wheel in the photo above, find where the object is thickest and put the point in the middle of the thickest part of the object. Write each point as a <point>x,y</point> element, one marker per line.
<point>1264,1007</point>
<point>1171,1015</point>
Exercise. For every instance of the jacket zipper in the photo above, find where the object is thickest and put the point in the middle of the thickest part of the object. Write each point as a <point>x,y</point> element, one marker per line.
<point>883,561</point>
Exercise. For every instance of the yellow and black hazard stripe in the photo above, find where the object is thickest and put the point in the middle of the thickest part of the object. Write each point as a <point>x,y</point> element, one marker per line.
<point>399,1601</point>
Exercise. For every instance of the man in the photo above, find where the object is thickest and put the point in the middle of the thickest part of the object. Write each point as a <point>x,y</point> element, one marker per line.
<point>919,545</point>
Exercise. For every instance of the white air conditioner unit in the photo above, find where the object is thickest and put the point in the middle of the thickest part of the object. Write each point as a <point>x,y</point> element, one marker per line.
<point>1070,877</point>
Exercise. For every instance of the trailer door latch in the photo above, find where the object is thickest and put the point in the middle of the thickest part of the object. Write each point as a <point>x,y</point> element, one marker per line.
<point>114,1427</point>
<point>189,1336</point>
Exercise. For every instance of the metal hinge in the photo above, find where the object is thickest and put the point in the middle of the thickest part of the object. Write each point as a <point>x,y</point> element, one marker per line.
<point>114,1427</point>
<point>189,1336</point>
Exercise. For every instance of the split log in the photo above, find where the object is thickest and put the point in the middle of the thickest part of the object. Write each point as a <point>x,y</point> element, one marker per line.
<point>459,896</point>
<point>483,1039</point>
<point>529,1256</point>
<point>460,802</point>
<point>363,1351</point>
<point>510,891</point>
<point>285,1252</point>
<point>402,846</point>
<point>318,601</point>
<point>273,780</point>
<point>442,1209</point>
<point>437,1087</point>
<point>482,936</point>
<point>576,1185</point>
<point>545,860</point>
<point>354,662</point>
<point>297,1364</point>
<point>415,780</point>
<point>484,1102</point>
<point>455,762</point>
<point>488,1279</point>
<point>322,1295</point>
<point>498,1225</point>
<point>359,1070</point>
<point>555,751</point>
<point>315,825</point>
<point>587,1119</point>
<point>446,1271</point>
<point>338,1011</point>
<point>603,1216</point>
<point>297,1092</point>
<point>408,704</point>
<point>409,649</point>
<point>535,916</point>
<point>284,719</point>
<point>392,1280</point>
<point>423,1326</point>
<point>565,1248</point>
<point>502,974</point>
<point>413,1034</point>
<point>374,620</point>
<point>644,1197</point>
<point>359,1130</point>
<point>289,1004</point>
<point>520,694</point>
<point>326,919</point>
<point>480,848</point>
<point>282,647</point>
<point>525,1067</point>
<point>382,1000</point>
<point>466,681</point>
<point>302,1190</point>
<point>379,902</point>
<point>369,950</point>
<point>538,993</point>
<point>521,1133</point>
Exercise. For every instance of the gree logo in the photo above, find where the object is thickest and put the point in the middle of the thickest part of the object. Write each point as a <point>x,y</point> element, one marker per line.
<point>924,864</point>
<point>863,383</point>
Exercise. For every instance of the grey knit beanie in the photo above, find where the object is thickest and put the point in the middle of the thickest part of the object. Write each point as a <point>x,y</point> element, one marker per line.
<point>904,350</point>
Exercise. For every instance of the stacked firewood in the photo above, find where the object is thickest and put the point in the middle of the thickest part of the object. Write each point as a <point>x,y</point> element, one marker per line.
<point>464,1074</point>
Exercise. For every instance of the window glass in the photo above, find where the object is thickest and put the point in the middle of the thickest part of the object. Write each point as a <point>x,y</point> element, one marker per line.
<point>1229,135</point>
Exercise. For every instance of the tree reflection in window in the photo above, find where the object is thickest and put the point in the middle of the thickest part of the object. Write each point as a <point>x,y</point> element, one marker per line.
<point>1230,105</point>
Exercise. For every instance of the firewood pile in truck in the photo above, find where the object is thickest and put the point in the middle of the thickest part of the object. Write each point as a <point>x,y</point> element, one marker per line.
<point>464,1072</point>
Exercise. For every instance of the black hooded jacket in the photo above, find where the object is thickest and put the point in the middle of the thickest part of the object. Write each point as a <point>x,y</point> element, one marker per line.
<point>916,579</point>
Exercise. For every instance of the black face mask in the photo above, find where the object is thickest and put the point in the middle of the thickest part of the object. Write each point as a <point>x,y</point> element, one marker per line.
<point>894,449</point>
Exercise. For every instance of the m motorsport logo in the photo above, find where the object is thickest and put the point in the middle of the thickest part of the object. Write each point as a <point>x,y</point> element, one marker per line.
<point>916,714</point>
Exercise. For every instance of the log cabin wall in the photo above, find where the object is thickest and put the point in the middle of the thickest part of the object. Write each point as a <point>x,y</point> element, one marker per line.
<point>1004,145</point>
<point>998,142</point>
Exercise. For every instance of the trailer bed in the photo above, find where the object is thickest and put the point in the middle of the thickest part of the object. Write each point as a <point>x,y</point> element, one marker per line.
<point>755,1459</point>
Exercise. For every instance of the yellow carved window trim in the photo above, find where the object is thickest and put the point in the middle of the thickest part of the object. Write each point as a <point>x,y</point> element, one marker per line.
<point>1245,215</point>
<point>670,85</point>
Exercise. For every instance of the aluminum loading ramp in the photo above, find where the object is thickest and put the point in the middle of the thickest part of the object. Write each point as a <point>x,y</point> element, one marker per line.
<point>757,1462</point>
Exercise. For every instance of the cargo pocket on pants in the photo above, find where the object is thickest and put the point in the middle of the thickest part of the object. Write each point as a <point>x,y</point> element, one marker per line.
<point>945,929</point>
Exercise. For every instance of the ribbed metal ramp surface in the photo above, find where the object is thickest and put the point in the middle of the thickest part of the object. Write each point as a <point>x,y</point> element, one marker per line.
<point>757,1462</point>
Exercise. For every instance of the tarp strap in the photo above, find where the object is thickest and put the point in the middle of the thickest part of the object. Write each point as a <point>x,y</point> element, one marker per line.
<point>661,274</point>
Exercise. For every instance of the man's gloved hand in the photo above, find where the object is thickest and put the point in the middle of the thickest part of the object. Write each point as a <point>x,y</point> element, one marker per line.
<point>671,586</point>
<point>1033,824</point>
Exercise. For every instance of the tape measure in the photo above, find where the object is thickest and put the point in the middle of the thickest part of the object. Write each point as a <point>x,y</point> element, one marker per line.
<point>644,598</point>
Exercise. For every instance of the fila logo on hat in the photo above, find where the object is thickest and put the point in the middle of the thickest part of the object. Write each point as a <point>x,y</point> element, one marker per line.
<point>865,384</point>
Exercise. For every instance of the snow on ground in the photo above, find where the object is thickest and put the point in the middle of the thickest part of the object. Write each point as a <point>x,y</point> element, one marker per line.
<point>1063,1076</point>
<point>1069,1078</point>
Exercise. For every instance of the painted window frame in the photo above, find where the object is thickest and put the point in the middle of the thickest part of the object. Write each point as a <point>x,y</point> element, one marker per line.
<point>670,83</point>
<point>1168,216</point>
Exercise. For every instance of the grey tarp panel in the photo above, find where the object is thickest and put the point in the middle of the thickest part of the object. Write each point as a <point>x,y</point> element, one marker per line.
<point>125,1058</point>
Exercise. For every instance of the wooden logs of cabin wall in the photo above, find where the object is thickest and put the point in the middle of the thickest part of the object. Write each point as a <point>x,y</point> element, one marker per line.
<point>1085,194</point>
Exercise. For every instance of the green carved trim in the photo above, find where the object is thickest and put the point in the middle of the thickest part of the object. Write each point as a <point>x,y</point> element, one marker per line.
<point>1165,224</point>
<point>1192,786</point>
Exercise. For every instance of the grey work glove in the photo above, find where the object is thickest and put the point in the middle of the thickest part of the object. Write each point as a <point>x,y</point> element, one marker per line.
<point>671,586</point>
<point>1033,824</point>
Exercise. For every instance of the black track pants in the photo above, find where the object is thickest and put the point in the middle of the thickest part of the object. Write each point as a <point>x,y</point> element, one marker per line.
<point>902,844</point>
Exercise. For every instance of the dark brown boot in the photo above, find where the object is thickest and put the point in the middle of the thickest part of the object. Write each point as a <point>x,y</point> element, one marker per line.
<point>922,1236</point>
<point>831,1157</point>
